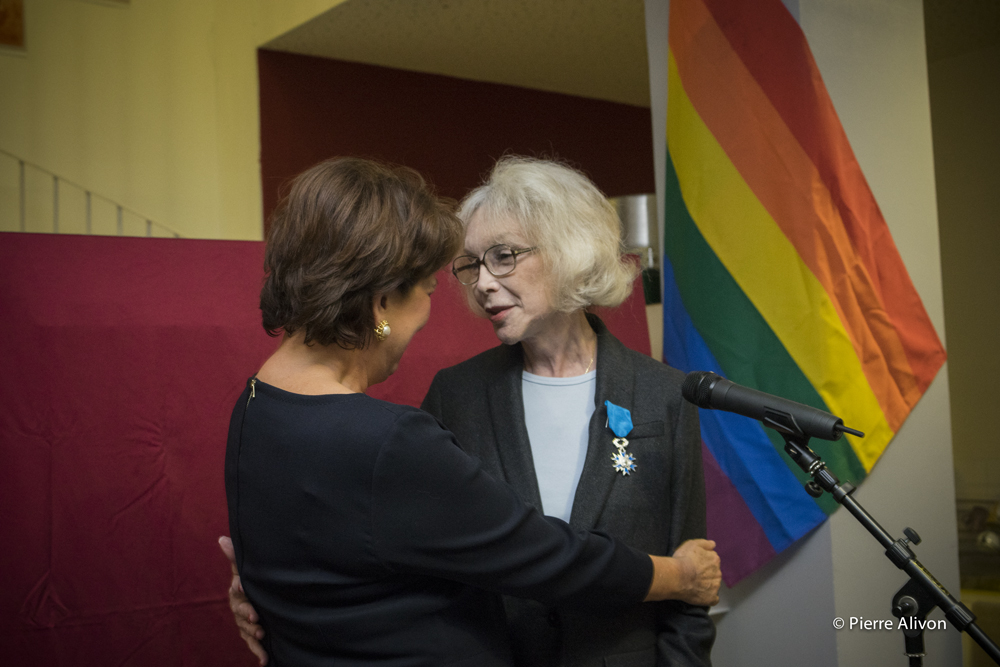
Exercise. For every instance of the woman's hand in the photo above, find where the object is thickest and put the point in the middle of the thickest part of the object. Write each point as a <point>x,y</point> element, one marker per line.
<point>243,612</point>
<point>691,575</point>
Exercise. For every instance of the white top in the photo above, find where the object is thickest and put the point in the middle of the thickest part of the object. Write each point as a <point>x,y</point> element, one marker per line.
<point>557,413</point>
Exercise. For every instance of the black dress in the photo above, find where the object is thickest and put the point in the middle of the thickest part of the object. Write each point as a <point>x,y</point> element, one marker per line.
<point>364,535</point>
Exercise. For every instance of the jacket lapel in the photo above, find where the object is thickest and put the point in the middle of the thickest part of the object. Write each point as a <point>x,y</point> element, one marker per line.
<point>510,431</point>
<point>614,383</point>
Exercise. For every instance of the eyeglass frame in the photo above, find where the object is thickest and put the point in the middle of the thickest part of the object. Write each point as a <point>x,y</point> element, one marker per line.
<point>481,261</point>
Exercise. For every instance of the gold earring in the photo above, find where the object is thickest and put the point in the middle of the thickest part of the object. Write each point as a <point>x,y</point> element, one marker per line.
<point>382,331</point>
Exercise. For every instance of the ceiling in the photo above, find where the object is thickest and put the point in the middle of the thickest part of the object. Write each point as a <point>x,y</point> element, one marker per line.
<point>591,48</point>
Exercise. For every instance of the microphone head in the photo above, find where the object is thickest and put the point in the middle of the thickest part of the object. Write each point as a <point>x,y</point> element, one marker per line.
<point>697,387</point>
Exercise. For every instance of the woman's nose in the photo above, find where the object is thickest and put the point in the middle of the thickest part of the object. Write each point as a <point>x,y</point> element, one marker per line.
<point>486,281</point>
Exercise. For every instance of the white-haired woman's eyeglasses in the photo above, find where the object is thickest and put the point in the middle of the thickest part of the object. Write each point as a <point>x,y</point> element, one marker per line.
<point>498,260</point>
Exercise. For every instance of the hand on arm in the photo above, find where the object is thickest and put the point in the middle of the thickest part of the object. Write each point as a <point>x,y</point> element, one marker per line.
<point>243,612</point>
<point>691,575</point>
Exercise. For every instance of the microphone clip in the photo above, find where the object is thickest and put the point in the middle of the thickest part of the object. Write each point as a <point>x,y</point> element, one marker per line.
<point>784,423</point>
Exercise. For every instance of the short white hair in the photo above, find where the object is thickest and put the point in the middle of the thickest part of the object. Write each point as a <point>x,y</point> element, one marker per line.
<point>571,222</point>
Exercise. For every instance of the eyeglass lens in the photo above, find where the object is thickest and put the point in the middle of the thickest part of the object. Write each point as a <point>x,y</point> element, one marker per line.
<point>500,260</point>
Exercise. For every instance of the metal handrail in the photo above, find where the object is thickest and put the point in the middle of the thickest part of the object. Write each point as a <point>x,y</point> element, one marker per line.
<point>89,195</point>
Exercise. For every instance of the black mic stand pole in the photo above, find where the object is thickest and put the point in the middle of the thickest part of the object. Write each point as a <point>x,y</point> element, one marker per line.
<point>922,592</point>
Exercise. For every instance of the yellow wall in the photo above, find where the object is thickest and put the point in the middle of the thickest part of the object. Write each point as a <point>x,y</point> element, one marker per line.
<point>152,104</point>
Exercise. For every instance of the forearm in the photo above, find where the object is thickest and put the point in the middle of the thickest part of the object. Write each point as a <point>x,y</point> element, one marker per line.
<point>666,584</point>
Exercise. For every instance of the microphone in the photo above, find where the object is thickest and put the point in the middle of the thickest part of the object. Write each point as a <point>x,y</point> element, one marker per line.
<point>708,390</point>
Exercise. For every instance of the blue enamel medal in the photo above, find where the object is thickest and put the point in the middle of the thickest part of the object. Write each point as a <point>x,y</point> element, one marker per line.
<point>620,422</point>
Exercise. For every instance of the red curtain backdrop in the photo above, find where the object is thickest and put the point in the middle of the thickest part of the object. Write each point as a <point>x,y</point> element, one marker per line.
<point>451,130</point>
<point>121,359</point>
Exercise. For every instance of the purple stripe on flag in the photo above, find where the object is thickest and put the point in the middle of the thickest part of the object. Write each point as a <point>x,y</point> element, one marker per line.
<point>740,539</point>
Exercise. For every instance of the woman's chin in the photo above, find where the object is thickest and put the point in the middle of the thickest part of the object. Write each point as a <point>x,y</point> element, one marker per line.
<point>506,336</point>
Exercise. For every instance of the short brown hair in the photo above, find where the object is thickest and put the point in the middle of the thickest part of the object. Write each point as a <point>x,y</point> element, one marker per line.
<point>349,229</point>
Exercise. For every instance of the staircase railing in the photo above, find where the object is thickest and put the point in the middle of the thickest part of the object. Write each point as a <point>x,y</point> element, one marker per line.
<point>150,226</point>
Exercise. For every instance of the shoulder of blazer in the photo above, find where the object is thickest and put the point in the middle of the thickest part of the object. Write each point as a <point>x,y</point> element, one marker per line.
<point>623,364</point>
<point>657,372</point>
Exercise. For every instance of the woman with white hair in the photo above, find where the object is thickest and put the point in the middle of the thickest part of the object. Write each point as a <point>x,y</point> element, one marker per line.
<point>583,428</point>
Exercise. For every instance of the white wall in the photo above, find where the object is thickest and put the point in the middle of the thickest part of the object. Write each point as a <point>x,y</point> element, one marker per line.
<point>871,54</point>
<point>873,59</point>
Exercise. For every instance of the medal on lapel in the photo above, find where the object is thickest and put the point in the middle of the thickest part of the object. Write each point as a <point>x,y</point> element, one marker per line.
<point>620,423</point>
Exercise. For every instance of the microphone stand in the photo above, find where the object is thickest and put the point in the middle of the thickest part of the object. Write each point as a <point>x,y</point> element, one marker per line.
<point>922,592</point>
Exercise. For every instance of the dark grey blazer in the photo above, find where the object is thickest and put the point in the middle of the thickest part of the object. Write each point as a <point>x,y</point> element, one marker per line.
<point>654,509</point>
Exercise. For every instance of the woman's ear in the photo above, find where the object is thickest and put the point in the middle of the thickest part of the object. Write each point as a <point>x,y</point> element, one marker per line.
<point>380,303</point>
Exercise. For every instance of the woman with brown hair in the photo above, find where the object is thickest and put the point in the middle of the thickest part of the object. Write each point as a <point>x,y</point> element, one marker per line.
<point>363,534</point>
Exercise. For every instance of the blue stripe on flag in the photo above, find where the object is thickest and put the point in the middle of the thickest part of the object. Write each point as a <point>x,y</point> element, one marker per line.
<point>744,452</point>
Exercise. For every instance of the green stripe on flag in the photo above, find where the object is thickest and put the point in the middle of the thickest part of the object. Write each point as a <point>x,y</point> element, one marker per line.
<point>739,338</point>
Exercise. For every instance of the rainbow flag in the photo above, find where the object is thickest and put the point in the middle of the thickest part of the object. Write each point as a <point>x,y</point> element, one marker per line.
<point>779,270</point>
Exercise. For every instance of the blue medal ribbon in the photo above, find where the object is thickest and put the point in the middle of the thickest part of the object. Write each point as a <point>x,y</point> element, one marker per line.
<point>619,419</point>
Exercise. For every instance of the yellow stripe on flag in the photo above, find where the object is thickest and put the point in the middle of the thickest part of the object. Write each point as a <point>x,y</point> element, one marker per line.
<point>769,270</point>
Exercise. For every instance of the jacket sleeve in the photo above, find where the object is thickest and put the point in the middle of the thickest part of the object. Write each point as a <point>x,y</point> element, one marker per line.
<point>435,512</point>
<point>685,632</point>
